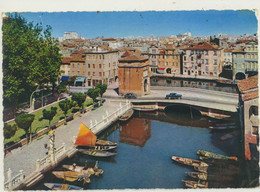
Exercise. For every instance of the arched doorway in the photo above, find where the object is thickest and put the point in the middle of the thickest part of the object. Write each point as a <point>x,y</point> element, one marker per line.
<point>169,70</point>
<point>145,85</point>
<point>240,76</point>
<point>116,78</point>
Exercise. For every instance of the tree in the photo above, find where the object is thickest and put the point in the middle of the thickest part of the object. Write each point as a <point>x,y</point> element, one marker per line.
<point>65,106</point>
<point>49,114</point>
<point>79,98</point>
<point>24,121</point>
<point>93,93</point>
<point>103,88</point>
<point>62,88</point>
<point>9,130</point>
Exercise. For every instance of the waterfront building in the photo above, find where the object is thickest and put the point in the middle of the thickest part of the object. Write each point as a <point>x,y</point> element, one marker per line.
<point>134,75</point>
<point>65,66</point>
<point>202,59</point>
<point>248,110</point>
<point>238,64</point>
<point>228,57</point>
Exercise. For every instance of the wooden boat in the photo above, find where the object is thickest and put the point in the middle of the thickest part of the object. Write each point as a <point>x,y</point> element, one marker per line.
<point>88,139</point>
<point>195,184</point>
<point>127,115</point>
<point>74,168</point>
<point>100,147</point>
<point>191,162</point>
<point>201,169</point>
<point>145,109</point>
<point>197,175</point>
<point>61,186</point>
<point>72,176</point>
<point>92,171</point>
<point>97,153</point>
<point>207,154</point>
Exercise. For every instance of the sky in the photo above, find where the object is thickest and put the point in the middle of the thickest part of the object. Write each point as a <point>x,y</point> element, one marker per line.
<point>158,23</point>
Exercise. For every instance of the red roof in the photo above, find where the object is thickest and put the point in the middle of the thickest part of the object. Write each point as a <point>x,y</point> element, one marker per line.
<point>133,58</point>
<point>202,46</point>
<point>250,95</point>
<point>66,60</point>
<point>247,84</point>
<point>126,54</point>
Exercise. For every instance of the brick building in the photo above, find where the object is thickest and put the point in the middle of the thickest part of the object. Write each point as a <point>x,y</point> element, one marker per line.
<point>134,75</point>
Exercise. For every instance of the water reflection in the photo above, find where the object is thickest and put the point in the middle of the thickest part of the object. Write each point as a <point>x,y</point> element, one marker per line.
<point>203,84</point>
<point>135,131</point>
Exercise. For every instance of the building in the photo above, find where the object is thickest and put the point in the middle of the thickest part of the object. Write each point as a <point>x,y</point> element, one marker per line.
<point>238,64</point>
<point>248,110</point>
<point>202,59</point>
<point>134,75</point>
<point>227,56</point>
<point>65,66</point>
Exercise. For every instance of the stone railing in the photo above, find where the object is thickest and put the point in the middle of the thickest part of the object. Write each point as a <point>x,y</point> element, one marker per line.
<point>98,125</point>
<point>15,181</point>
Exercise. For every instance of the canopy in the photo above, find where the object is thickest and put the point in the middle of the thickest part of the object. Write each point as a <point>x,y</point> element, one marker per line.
<point>160,70</point>
<point>80,79</point>
<point>85,136</point>
<point>64,78</point>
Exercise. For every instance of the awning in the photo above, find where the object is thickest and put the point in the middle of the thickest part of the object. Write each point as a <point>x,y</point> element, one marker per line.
<point>65,78</point>
<point>160,70</point>
<point>80,79</point>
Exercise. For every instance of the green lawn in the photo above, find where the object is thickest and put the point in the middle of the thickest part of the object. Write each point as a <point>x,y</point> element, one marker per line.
<point>39,124</point>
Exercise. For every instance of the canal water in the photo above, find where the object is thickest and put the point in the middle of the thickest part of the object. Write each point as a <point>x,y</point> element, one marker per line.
<point>202,84</point>
<point>145,145</point>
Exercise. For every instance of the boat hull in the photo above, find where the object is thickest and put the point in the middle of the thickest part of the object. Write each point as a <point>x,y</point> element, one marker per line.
<point>190,162</point>
<point>100,142</point>
<point>127,115</point>
<point>97,153</point>
<point>60,186</point>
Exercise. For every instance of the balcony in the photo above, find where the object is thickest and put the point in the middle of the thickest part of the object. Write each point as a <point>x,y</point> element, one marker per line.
<point>250,70</point>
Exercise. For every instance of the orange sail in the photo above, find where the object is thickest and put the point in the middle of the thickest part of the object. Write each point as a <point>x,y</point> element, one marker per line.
<point>85,137</point>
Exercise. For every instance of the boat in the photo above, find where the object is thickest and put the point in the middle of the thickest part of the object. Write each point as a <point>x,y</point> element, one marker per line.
<point>74,168</point>
<point>207,154</point>
<point>191,162</point>
<point>195,184</point>
<point>127,115</point>
<point>97,153</point>
<point>100,147</point>
<point>72,176</point>
<point>197,175</point>
<point>145,109</point>
<point>61,186</point>
<point>201,169</point>
<point>86,138</point>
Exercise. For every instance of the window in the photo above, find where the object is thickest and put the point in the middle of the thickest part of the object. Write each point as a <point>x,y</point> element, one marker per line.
<point>166,63</point>
<point>99,66</point>
<point>166,56</point>
<point>94,66</point>
<point>206,52</point>
<point>78,73</point>
<point>84,66</point>
<point>78,65</point>
<point>176,64</point>
<point>84,74</point>
<point>185,63</point>
<point>94,73</point>
<point>192,64</point>
<point>73,65</point>
<point>207,68</point>
<point>235,65</point>
<point>207,61</point>
<point>191,52</point>
<point>73,72</point>
<point>256,56</point>
<point>202,61</point>
<point>153,50</point>
<point>215,61</point>
<point>88,65</point>
<point>68,72</point>
<point>103,73</point>
<point>191,58</point>
<point>234,55</point>
<point>243,65</point>
<point>172,63</point>
<point>215,52</point>
<point>99,56</point>
<point>248,56</point>
<point>215,68</point>
<point>100,74</point>
<point>109,64</point>
<point>184,57</point>
<point>88,73</point>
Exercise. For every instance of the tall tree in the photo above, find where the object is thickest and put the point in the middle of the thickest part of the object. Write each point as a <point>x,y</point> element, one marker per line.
<point>93,93</point>
<point>80,98</point>
<point>24,121</point>
<point>65,106</point>
<point>62,88</point>
<point>102,88</point>
<point>49,114</point>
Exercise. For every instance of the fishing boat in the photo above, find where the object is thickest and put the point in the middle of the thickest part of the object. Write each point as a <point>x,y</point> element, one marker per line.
<point>191,162</point>
<point>74,168</point>
<point>195,184</point>
<point>86,138</point>
<point>145,109</point>
<point>197,175</point>
<point>207,154</point>
<point>80,169</point>
<point>101,147</point>
<point>61,186</point>
<point>127,115</point>
<point>72,176</point>
<point>97,153</point>
<point>201,169</point>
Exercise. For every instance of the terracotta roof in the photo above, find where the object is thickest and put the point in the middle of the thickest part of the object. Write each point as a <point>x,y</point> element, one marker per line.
<point>162,52</point>
<point>126,54</point>
<point>170,46</point>
<point>108,39</point>
<point>250,95</point>
<point>77,57</point>
<point>238,50</point>
<point>247,84</point>
<point>228,50</point>
<point>80,51</point>
<point>133,58</point>
<point>68,45</point>
<point>66,60</point>
<point>203,46</point>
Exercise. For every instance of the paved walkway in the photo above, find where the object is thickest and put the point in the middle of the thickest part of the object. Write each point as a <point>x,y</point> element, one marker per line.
<point>25,158</point>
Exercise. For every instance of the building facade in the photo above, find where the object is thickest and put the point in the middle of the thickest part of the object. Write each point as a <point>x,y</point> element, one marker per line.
<point>134,75</point>
<point>202,59</point>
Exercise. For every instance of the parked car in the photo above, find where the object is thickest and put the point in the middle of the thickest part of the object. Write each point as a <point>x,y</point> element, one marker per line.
<point>130,96</point>
<point>173,96</point>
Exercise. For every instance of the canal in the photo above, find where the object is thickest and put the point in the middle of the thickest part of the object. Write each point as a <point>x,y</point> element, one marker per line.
<point>194,83</point>
<point>145,145</point>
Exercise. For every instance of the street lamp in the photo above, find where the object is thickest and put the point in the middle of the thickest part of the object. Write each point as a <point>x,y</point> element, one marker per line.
<point>32,96</point>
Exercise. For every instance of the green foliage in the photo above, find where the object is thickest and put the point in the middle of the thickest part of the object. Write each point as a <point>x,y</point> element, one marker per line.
<point>24,121</point>
<point>49,114</point>
<point>30,57</point>
<point>72,80</point>
<point>79,98</point>
<point>102,88</point>
<point>9,130</point>
<point>62,88</point>
<point>66,105</point>
<point>93,93</point>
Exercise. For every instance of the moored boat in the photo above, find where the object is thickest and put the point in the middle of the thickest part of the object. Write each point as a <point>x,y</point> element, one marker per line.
<point>72,176</point>
<point>61,186</point>
<point>195,184</point>
<point>97,153</point>
<point>127,115</point>
<point>197,175</point>
<point>191,162</point>
<point>207,154</point>
<point>73,168</point>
